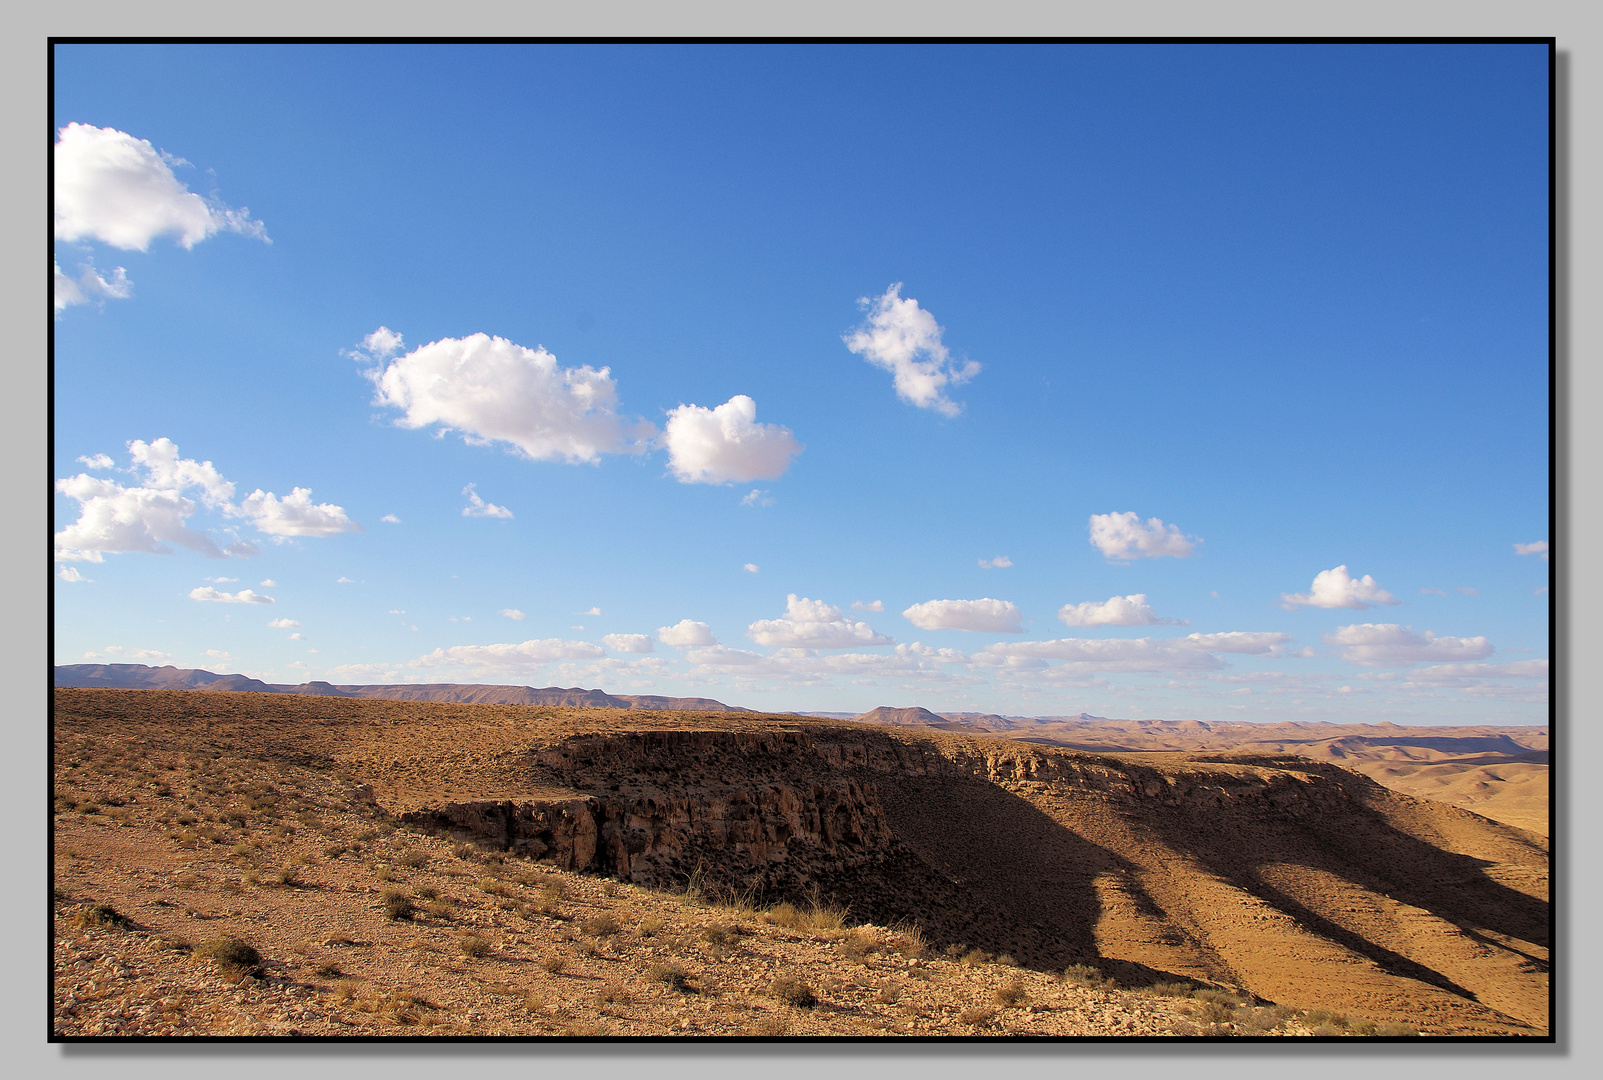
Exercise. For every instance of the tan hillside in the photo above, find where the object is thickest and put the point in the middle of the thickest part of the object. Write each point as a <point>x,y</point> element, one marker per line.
<point>546,851</point>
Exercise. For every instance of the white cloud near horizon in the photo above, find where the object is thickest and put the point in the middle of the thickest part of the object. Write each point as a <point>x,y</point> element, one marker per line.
<point>283,624</point>
<point>726,444</point>
<point>120,190</point>
<point>88,286</point>
<point>514,614</point>
<point>1132,610</point>
<point>686,632</point>
<point>813,624</point>
<point>477,507</point>
<point>526,654</point>
<point>1149,655</point>
<point>980,616</point>
<point>1336,588</point>
<point>1121,537</point>
<point>490,390</point>
<point>1001,562</point>
<point>1391,645</point>
<point>905,340</point>
<point>153,513</point>
<point>243,596</point>
<point>1237,641</point>
<point>1539,547</point>
<point>628,643</point>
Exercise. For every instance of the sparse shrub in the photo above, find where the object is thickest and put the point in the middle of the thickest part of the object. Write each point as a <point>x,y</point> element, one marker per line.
<point>977,1016</point>
<point>553,963</point>
<point>1010,994</point>
<point>426,892</point>
<point>474,945</point>
<point>397,905</point>
<point>327,969</point>
<point>858,944</point>
<point>1392,1030</point>
<point>910,942</point>
<point>602,925</point>
<point>554,889</point>
<point>975,957</point>
<point>1006,960</point>
<point>716,934</point>
<point>889,992</point>
<point>770,1027</point>
<point>288,875</point>
<point>587,947</point>
<point>1084,975</point>
<point>534,1001</point>
<point>785,914</point>
<point>1362,1027</point>
<point>232,955</point>
<point>649,927</point>
<point>494,886</point>
<point>792,992</point>
<point>58,892</point>
<point>1328,1031</point>
<point>103,915</point>
<point>670,975</point>
<point>609,888</point>
<point>413,859</point>
<point>440,909</point>
<point>613,990</point>
<point>1168,989</point>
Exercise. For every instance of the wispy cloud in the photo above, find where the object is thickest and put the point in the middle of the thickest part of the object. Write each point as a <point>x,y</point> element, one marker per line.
<point>904,339</point>
<point>477,507</point>
<point>1539,547</point>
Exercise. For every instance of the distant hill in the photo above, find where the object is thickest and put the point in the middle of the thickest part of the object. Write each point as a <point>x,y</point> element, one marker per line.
<point>914,716</point>
<point>144,677</point>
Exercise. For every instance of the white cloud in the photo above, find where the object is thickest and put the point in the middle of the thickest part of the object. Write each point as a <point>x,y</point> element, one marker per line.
<point>1537,548</point>
<point>284,624</point>
<point>70,573</point>
<point>629,643</point>
<point>222,580</point>
<point>492,390</point>
<point>1339,589</point>
<point>1132,610</point>
<point>219,654</point>
<point>904,339</point>
<point>1001,562</point>
<point>756,497</point>
<point>295,514</point>
<point>390,519</point>
<point>477,507</point>
<point>1122,537</point>
<point>726,444</point>
<point>1467,591</point>
<point>88,285</point>
<point>343,580</point>
<point>750,568</point>
<point>243,596</point>
<point>397,611</point>
<point>149,654</point>
<point>593,611</point>
<point>112,187</point>
<point>269,583</point>
<point>513,613</point>
<point>987,616</point>
<point>872,605</point>
<point>1103,654</point>
<point>1463,675</point>
<point>1237,641</point>
<point>297,637</point>
<point>527,654</point>
<point>98,461</point>
<point>152,514</point>
<point>686,632</point>
<point>813,624</point>
<point>1390,645</point>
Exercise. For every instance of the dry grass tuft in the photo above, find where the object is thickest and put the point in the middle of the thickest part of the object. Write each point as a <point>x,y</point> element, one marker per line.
<point>474,945</point>
<point>670,975</point>
<point>792,992</point>
<point>1011,993</point>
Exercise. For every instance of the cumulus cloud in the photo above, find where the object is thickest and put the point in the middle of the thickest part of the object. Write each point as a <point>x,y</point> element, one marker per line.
<point>629,643</point>
<point>154,512</point>
<point>343,580</point>
<point>70,573</point>
<point>1121,537</point>
<point>527,654</point>
<point>1339,589</point>
<point>88,285</point>
<point>268,583</point>
<point>813,624</point>
<point>297,637</point>
<point>1001,562</point>
<point>750,568</point>
<point>243,596</point>
<point>726,444</point>
<point>986,616</point>
<point>872,605</point>
<point>1132,610</point>
<point>477,507</point>
<point>1537,548</point>
<point>1390,645</point>
<point>390,519</point>
<point>112,187</point>
<point>295,514</point>
<point>904,339</point>
<point>492,390</point>
<point>686,632</point>
<point>593,611</point>
<point>283,624</point>
<point>513,613</point>
<point>98,461</point>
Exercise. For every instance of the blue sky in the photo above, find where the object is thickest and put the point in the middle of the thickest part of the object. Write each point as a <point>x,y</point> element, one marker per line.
<point>951,305</point>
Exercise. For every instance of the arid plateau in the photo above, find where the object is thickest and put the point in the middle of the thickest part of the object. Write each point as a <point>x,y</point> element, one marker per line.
<point>283,861</point>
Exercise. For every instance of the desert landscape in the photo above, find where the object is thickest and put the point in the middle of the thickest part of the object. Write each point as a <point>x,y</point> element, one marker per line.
<point>271,862</point>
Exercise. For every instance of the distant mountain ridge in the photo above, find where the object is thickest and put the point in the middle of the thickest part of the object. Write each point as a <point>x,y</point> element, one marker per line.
<point>144,677</point>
